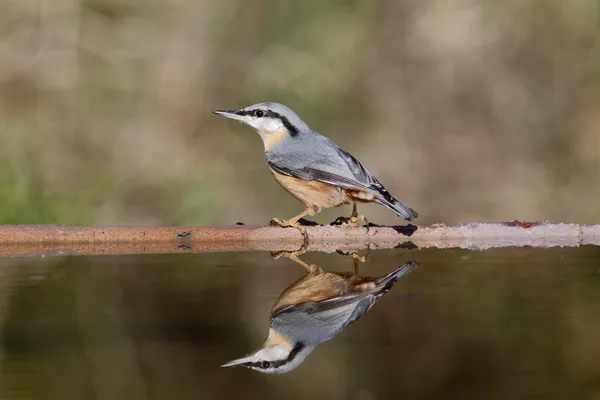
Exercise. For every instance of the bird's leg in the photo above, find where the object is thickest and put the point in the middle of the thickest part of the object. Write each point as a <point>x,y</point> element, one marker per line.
<point>354,215</point>
<point>355,218</point>
<point>293,255</point>
<point>357,258</point>
<point>293,222</point>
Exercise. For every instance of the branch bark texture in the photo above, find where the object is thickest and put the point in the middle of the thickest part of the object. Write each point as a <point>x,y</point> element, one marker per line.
<point>54,240</point>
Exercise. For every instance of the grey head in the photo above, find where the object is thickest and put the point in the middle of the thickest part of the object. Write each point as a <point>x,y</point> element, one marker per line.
<point>274,122</point>
<point>277,356</point>
<point>298,329</point>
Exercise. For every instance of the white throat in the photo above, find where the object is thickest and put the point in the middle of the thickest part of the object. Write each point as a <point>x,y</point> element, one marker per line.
<point>271,131</point>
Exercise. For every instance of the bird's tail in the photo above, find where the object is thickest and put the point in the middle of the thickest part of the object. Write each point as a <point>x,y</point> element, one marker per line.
<point>390,279</point>
<point>398,207</point>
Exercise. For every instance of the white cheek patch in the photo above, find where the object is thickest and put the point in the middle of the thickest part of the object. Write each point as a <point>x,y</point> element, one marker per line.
<point>273,353</point>
<point>271,125</point>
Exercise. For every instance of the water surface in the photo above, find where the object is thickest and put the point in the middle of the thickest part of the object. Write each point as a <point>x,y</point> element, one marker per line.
<point>496,324</point>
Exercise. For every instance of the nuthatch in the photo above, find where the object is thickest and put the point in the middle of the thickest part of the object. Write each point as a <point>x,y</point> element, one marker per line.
<point>313,310</point>
<point>311,167</point>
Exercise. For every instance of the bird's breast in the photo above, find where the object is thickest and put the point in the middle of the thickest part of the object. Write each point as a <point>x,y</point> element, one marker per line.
<point>312,193</point>
<point>322,286</point>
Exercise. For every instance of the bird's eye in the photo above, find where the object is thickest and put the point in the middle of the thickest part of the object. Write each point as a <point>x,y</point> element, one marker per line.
<point>265,364</point>
<point>259,113</point>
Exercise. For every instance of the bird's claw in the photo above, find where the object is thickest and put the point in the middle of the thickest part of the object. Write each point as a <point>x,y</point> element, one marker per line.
<point>286,224</point>
<point>354,220</point>
<point>361,218</point>
<point>277,222</point>
<point>293,255</point>
<point>313,269</point>
<point>304,234</point>
<point>276,255</point>
<point>358,258</point>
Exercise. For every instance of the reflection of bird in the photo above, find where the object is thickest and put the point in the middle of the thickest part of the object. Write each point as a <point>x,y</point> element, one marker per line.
<point>313,310</point>
<point>311,167</point>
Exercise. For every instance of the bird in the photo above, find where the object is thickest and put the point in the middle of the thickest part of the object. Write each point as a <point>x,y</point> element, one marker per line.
<point>311,167</point>
<point>313,310</point>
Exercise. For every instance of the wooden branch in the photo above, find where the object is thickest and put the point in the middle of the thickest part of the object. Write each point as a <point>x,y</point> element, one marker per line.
<point>55,240</point>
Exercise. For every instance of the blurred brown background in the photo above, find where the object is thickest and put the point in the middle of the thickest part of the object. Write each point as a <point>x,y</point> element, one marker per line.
<point>466,110</point>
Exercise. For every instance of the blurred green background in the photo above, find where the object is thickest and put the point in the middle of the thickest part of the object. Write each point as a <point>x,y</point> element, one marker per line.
<point>467,110</point>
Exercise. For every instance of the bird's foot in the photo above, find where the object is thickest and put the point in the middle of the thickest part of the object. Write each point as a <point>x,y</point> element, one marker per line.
<point>287,224</point>
<point>293,255</point>
<point>356,258</point>
<point>277,222</point>
<point>352,220</point>
<point>357,219</point>
<point>313,269</point>
<point>276,255</point>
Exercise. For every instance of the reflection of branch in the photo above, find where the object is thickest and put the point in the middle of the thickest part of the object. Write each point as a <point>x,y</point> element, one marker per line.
<point>23,240</point>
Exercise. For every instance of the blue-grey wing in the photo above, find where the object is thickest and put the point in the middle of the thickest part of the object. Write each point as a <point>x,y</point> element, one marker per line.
<point>314,323</point>
<point>319,159</point>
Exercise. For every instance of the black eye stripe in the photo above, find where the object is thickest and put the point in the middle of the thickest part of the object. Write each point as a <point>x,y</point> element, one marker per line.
<point>244,112</point>
<point>272,114</point>
<point>277,364</point>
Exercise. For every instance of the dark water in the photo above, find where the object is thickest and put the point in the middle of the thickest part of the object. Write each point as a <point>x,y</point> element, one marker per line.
<point>497,324</point>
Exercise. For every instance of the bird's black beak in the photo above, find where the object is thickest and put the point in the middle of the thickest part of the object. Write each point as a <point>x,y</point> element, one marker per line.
<point>233,114</point>
<point>224,112</point>
<point>240,362</point>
